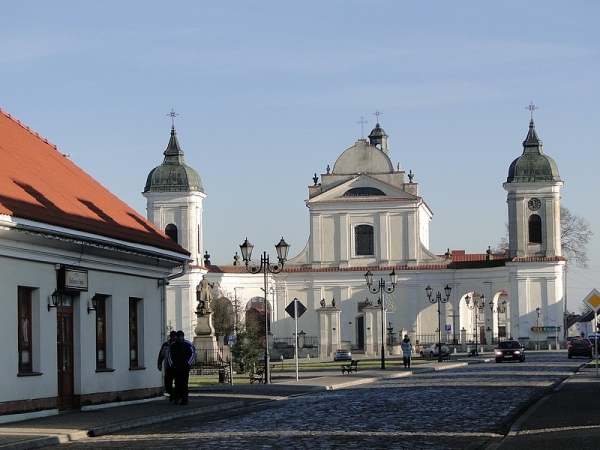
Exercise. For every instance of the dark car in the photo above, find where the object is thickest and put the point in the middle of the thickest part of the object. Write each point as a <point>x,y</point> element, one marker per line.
<point>510,351</point>
<point>580,347</point>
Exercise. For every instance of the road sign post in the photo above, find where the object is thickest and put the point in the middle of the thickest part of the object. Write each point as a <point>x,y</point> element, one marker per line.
<point>295,309</point>
<point>593,301</point>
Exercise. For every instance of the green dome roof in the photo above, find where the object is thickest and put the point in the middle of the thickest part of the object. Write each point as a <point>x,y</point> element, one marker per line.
<point>376,135</point>
<point>173,175</point>
<point>532,165</point>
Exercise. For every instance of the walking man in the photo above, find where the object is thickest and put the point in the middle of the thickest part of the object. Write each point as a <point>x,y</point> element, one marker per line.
<point>406,350</point>
<point>163,356</point>
<point>182,357</point>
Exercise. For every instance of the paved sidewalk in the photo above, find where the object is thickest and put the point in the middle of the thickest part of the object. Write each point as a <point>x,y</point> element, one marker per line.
<point>565,418</point>
<point>77,425</point>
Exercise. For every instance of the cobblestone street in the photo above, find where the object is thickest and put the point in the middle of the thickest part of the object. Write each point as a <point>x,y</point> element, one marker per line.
<point>453,409</point>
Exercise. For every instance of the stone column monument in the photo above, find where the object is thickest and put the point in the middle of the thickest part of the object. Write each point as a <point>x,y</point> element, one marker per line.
<point>329,329</point>
<point>205,340</point>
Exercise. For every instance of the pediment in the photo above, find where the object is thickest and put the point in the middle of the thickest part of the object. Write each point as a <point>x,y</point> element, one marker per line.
<point>363,188</point>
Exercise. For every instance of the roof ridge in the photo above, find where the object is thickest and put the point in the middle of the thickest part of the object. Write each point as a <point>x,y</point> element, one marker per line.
<point>22,125</point>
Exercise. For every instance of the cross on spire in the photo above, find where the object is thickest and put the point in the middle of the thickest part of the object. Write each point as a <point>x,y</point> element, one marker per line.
<point>172,115</point>
<point>531,108</point>
<point>377,114</point>
<point>362,122</point>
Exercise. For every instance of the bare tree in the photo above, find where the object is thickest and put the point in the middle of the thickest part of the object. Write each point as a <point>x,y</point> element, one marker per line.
<point>503,246</point>
<point>575,235</point>
<point>223,316</point>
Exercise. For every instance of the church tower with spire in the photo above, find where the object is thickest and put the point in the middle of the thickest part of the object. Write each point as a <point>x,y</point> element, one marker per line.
<point>533,185</point>
<point>174,196</point>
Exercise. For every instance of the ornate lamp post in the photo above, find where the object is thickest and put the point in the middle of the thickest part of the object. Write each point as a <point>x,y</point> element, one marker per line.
<point>478,304</point>
<point>375,290</point>
<point>265,267</point>
<point>439,299</point>
<point>500,309</point>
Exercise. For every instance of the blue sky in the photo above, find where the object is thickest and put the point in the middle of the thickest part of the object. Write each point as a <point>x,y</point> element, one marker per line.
<point>270,92</point>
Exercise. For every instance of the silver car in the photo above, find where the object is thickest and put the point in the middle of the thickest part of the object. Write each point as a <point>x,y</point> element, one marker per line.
<point>342,355</point>
<point>431,350</point>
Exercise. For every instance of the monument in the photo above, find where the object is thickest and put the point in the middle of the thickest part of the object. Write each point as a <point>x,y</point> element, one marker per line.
<point>205,340</point>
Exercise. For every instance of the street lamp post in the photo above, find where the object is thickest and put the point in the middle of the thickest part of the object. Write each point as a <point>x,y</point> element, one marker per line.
<point>381,287</point>
<point>265,267</point>
<point>555,333</point>
<point>537,323</point>
<point>478,303</point>
<point>439,299</point>
<point>500,309</point>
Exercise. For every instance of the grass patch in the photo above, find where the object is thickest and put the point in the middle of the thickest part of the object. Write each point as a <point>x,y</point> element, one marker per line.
<point>289,367</point>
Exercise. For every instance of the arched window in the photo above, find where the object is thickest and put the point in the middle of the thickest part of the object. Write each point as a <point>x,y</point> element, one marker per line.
<point>171,231</point>
<point>363,192</point>
<point>363,240</point>
<point>535,229</point>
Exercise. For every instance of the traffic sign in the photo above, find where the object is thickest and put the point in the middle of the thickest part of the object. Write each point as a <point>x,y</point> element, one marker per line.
<point>593,300</point>
<point>448,327</point>
<point>546,329</point>
<point>300,307</point>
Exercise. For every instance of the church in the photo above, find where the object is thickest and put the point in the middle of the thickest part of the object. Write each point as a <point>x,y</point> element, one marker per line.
<point>368,222</point>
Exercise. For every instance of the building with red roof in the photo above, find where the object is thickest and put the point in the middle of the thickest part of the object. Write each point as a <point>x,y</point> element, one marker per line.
<point>78,261</point>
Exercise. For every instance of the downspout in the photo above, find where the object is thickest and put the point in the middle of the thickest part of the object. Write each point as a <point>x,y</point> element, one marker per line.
<point>163,283</point>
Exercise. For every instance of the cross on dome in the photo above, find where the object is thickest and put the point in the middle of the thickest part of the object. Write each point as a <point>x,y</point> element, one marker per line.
<point>172,115</point>
<point>531,108</point>
<point>362,123</point>
<point>377,114</point>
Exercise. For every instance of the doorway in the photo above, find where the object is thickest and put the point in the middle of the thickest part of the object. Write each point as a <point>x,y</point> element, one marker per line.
<point>64,353</point>
<point>360,332</point>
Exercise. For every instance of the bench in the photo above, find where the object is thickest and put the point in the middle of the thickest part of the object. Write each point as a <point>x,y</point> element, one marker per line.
<point>350,367</point>
<point>259,375</point>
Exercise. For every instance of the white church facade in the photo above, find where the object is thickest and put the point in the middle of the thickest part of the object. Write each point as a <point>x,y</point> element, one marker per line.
<point>366,215</point>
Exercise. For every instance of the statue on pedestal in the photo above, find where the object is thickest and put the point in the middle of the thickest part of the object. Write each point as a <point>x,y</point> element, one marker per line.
<point>204,296</point>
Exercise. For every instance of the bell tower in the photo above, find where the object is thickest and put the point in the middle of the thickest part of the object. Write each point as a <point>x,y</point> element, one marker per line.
<point>174,195</point>
<point>533,185</point>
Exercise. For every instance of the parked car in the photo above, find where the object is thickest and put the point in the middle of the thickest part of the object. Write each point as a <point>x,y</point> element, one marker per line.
<point>510,351</point>
<point>431,350</point>
<point>580,347</point>
<point>595,341</point>
<point>342,355</point>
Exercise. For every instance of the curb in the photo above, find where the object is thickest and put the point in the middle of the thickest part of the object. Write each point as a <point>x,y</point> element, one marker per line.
<point>95,432</point>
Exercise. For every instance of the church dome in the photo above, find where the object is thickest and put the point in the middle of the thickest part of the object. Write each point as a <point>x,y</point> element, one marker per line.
<point>362,158</point>
<point>173,175</point>
<point>532,165</point>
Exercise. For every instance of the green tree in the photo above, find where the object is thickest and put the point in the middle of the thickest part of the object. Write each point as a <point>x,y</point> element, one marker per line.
<point>244,351</point>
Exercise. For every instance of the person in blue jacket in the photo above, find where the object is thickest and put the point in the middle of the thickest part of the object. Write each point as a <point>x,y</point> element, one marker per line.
<point>182,357</point>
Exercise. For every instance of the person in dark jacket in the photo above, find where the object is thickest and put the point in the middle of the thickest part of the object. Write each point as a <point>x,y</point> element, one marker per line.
<point>406,346</point>
<point>182,357</point>
<point>163,356</point>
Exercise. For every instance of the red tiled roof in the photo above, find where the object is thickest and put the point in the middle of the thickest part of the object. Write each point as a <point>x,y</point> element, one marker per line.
<point>38,183</point>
